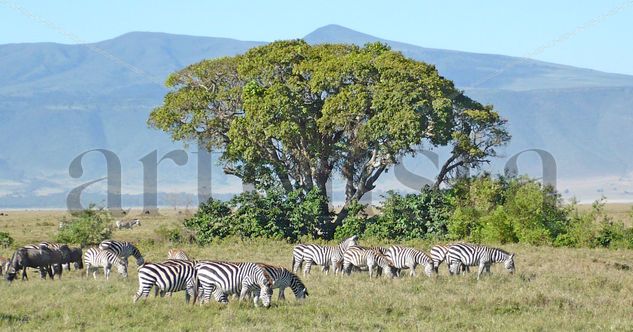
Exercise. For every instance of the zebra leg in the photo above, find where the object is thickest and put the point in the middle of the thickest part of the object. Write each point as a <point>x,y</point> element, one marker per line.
<point>412,268</point>
<point>326,268</point>
<point>347,268</point>
<point>281,296</point>
<point>106,271</point>
<point>308,266</point>
<point>482,267</point>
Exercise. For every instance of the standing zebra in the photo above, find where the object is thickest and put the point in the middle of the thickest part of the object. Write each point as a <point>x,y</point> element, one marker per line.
<point>464,254</point>
<point>321,255</point>
<point>224,278</point>
<point>123,249</point>
<point>177,254</point>
<point>168,277</point>
<point>94,258</point>
<point>409,258</point>
<point>282,278</point>
<point>370,257</point>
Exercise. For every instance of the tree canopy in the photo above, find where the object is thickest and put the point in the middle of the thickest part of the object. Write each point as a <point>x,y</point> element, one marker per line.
<point>293,115</point>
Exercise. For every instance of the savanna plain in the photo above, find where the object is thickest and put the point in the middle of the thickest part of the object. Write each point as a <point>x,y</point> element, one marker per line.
<point>552,289</point>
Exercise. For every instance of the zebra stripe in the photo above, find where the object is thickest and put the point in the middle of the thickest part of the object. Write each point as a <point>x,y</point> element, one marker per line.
<point>123,249</point>
<point>168,277</point>
<point>464,254</point>
<point>224,278</point>
<point>439,255</point>
<point>370,257</point>
<point>409,258</point>
<point>177,254</point>
<point>282,279</point>
<point>321,255</point>
<point>94,258</point>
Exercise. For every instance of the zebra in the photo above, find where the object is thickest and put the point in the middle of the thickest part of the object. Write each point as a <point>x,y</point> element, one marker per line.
<point>370,257</point>
<point>123,249</point>
<point>168,277</point>
<point>129,224</point>
<point>177,254</point>
<point>439,254</point>
<point>464,254</point>
<point>224,278</point>
<point>94,258</point>
<point>321,255</point>
<point>282,278</point>
<point>409,258</point>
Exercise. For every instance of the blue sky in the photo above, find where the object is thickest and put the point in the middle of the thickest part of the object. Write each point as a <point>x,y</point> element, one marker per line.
<point>592,34</point>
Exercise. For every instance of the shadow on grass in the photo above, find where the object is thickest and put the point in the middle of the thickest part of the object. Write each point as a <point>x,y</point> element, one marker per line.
<point>10,318</point>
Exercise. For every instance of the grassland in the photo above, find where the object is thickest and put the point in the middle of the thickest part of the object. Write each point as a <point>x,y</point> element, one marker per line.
<point>553,289</point>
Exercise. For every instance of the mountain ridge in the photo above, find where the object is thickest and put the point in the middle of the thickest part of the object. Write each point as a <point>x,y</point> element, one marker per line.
<point>58,101</point>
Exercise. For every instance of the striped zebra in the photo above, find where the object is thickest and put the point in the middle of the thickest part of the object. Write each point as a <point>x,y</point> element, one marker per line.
<point>370,257</point>
<point>439,254</point>
<point>167,277</point>
<point>123,249</point>
<point>282,279</point>
<point>94,258</point>
<point>225,278</point>
<point>178,254</point>
<point>321,255</point>
<point>464,254</point>
<point>409,258</point>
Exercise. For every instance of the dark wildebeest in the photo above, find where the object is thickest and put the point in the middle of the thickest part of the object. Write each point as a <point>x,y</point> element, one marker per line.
<point>41,258</point>
<point>76,257</point>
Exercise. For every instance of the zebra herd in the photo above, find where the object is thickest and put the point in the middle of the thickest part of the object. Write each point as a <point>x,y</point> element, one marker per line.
<point>204,279</point>
<point>348,254</point>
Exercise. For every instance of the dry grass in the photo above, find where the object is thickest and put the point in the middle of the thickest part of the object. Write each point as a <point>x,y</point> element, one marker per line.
<point>554,289</point>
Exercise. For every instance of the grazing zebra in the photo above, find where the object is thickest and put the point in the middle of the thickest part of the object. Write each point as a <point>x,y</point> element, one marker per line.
<point>123,249</point>
<point>178,254</point>
<point>464,254</point>
<point>370,257</point>
<point>224,278</point>
<point>282,278</point>
<point>168,277</point>
<point>321,255</point>
<point>129,224</point>
<point>439,254</point>
<point>409,258</point>
<point>94,258</point>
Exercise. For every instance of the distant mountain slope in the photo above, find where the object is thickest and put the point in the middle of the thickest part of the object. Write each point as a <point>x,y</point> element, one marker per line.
<point>57,101</point>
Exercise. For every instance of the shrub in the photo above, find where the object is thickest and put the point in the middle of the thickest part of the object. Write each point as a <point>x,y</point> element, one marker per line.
<point>354,224</point>
<point>271,215</point>
<point>170,234</point>
<point>5,240</point>
<point>412,216</point>
<point>89,226</point>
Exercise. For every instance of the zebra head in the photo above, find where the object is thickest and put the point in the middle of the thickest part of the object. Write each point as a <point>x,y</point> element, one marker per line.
<point>121,265</point>
<point>349,242</point>
<point>430,270</point>
<point>508,263</point>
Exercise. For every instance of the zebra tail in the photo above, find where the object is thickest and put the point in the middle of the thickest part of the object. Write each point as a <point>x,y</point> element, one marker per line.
<point>196,286</point>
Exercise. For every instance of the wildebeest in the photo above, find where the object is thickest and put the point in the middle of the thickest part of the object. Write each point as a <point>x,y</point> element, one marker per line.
<point>120,224</point>
<point>76,257</point>
<point>41,258</point>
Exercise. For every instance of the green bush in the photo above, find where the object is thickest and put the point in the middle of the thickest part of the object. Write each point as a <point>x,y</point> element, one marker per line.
<point>272,215</point>
<point>89,226</point>
<point>355,223</point>
<point>412,216</point>
<point>170,234</point>
<point>5,240</point>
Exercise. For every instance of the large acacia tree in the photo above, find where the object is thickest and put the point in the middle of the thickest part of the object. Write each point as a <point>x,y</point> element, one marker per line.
<point>293,115</point>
